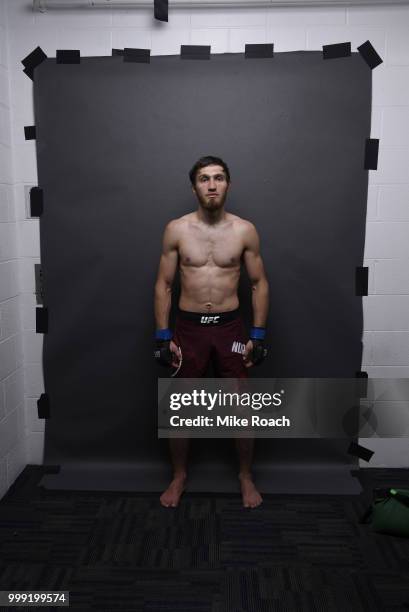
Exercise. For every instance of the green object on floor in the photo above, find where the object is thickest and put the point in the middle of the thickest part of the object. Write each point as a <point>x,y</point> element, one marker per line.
<point>389,512</point>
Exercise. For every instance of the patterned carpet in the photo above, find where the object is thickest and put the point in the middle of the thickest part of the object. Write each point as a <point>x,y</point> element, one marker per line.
<point>123,551</point>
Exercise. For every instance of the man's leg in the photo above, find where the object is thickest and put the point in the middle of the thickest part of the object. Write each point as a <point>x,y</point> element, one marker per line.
<point>195,349</point>
<point>251,497</point>
<point>230,341</point>
<point>178,452</point>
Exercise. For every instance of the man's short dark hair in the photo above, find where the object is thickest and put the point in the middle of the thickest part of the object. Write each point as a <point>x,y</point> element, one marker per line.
<point>209,160</point>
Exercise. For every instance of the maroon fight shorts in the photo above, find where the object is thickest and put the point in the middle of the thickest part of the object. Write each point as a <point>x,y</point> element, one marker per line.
<point>219,338</point>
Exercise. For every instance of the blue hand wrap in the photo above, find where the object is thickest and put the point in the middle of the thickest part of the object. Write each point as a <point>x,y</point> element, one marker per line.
<point>257,333</point>
<point>163,334</point>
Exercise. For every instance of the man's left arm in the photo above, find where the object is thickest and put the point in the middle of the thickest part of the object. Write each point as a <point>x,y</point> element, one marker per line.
<point>259,285</point>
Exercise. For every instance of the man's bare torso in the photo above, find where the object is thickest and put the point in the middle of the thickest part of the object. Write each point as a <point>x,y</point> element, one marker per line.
<point>209,262</point>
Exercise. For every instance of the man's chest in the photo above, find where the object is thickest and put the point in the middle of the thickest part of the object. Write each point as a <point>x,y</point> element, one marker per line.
<point>219,248</point>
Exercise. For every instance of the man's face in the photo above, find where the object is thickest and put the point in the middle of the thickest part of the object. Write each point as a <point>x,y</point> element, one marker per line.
<point>211,187</point>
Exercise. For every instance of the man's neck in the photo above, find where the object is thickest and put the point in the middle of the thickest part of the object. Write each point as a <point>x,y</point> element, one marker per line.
<point>211,217</point>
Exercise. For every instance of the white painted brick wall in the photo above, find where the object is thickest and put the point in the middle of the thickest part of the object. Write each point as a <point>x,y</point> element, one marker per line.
<point>393,202</point>
<point>95,32</point>
<point>386,312</point>
<point>387,239</point>
<point>392,277</point>
<point>12,424</point>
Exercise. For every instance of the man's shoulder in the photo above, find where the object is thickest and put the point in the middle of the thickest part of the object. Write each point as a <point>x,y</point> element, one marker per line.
<point>183,219</point>
<point>243,225</point>
<point>177,224</point>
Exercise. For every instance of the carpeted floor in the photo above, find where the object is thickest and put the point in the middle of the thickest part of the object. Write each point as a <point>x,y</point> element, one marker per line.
<point>123,551</point>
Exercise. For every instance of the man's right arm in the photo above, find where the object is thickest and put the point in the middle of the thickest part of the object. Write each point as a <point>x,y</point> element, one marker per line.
<point>166,274</point>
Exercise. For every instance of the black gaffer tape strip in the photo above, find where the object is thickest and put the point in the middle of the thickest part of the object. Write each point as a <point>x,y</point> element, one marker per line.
<point>361,280</point>
<point>371,154</point>
<point>43,406</point>
<point>30,132</point>
<point>41,320</point>
<point>36,201</point>
<point>335,51</point>
<point>32,60</point>
<point>255,51</point>
<point>360,451</point>
<point>117,52</point>
<point>68,56</point>
<point>137,55</point>
<point>369,54</point>
<point>201,52</point>
<point>361,384</point>
<point>160,10</point>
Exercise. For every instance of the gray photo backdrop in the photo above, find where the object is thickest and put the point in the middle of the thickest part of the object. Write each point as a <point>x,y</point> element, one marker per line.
<point>115,141</point>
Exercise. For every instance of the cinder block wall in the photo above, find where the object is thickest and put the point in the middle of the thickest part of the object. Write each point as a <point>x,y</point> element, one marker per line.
<point>96,32</point>
<point>12,429</point>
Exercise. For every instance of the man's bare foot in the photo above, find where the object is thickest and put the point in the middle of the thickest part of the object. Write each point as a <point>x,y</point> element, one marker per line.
<point>170,498</point>
<point>251,497</point>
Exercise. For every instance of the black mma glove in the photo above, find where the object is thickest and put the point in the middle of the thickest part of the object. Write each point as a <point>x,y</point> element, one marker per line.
<point>259,352</point>
<point>162,353</point>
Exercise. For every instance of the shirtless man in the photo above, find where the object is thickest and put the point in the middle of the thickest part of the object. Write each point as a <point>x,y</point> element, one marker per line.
<point>209,245</point>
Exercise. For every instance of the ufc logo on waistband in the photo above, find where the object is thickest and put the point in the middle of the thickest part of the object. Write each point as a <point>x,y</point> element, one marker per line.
<point>210,319</point>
